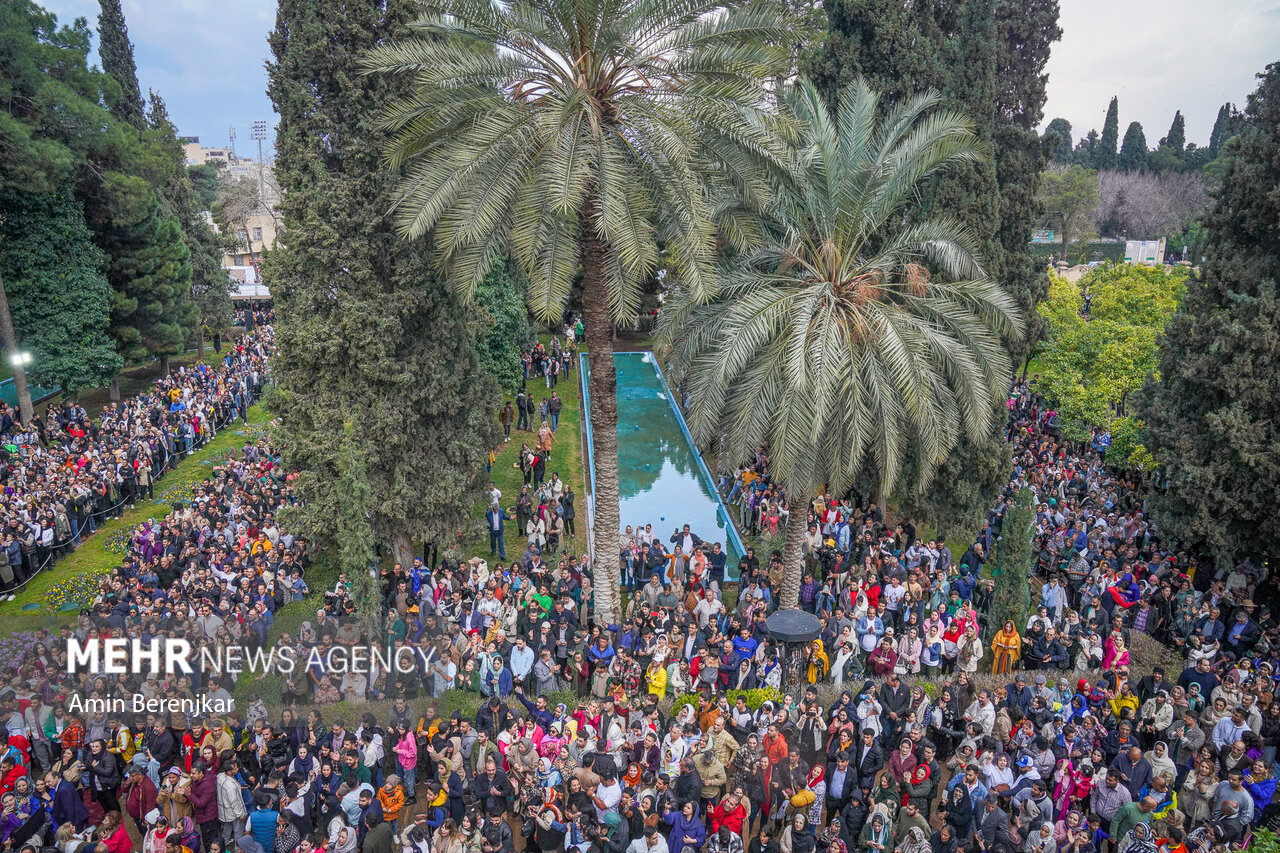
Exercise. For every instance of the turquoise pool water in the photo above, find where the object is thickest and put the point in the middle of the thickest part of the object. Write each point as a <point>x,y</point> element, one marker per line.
<point>661,477</point>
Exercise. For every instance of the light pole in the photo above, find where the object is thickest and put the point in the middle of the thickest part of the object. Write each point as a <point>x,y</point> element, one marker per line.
<point>259,132</point>
<point>17,358</point>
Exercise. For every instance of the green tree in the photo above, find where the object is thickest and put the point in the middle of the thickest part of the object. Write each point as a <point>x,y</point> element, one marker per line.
<point>1062,147</point>
<point>1224,127</point>
<point>502,328</point>
<point>205,179</point>
<point>1090,368</point>
<point>58,294</point>
<point>357,546</point>
<point>210,285</point>
<point>1133,151</point>
<point>1068,196</point>
<point>838,351</point>
<point>1104,156</point>
<point>877,40</point>
<point>1014,565</point>
<point>369,336</point>
<point>1213,418</point>
<point>1176,140</point>
<point>116,52</point>
<point>603,147</point>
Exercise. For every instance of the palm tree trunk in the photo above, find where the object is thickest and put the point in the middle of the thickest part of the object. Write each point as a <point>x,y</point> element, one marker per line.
<point>604,429</point>
<point>792,558</point>
<point>402,550</point>
<point>10,340</point>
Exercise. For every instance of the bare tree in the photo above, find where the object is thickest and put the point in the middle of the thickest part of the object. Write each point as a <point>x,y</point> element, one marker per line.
<point>1146,205</point>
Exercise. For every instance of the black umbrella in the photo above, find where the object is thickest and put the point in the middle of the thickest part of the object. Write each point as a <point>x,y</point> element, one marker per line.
<point>793,626</point>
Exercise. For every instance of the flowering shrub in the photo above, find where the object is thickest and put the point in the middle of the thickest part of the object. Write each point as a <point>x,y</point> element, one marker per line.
<point>79,590</point>
<point>183,493</point>
<point>15,648</point>
<point>118,542</point>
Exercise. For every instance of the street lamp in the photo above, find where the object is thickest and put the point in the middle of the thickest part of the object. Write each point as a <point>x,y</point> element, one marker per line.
<point>20,359</point>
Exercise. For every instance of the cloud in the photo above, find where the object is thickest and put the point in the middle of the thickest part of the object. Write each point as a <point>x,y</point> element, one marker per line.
<point>205,57</point>
<point>1158,58</point>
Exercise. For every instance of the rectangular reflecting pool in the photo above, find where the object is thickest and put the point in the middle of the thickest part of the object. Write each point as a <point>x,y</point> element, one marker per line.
<point>662,479</point>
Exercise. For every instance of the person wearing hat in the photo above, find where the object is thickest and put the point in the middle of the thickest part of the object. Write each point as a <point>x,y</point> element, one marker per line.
<point>173,797</point>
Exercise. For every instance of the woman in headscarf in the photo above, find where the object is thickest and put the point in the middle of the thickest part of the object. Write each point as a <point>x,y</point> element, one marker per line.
<point>1140,839</point>
<point>1006,648</point>
<point>816,782</point>
<point>957,811</point>
<point>887,795</point>
<point>1041,840</point>
<point>1161,763</point>
<point>875,835</point>
<point>1073,820</point>
<point>915,842</point>
<point>797,837</point>
<point>944,840</point>
<point>819,664</point>
<point>548,775</point>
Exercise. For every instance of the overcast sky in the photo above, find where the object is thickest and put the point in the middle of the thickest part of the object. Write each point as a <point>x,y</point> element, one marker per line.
<point>206,58</point>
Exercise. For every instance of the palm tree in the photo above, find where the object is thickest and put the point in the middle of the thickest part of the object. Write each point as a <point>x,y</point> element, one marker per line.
<point>852,338</point>
<point>580,134</point>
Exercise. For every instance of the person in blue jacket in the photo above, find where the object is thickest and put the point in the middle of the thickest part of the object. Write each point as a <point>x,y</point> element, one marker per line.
<point>687,829</point>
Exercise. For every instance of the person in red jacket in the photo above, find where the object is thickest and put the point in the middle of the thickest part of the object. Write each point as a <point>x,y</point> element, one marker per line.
<point>204,802</point>
<point>113,834</point>
<point>10,772</point>
<point>140,795</point>
<point>731,812</point>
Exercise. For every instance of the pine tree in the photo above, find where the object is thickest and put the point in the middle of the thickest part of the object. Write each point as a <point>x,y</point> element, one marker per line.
<point>1213,418</point>
<point>1011,597</point>
<point>1176,140</point>
<point>116,52</point>
<point>1104,156</point>
<point>1061,129</point>
<point>58,295</point>
<point>1133,151</point>
<point>501,324</point>
<point>368,334</point>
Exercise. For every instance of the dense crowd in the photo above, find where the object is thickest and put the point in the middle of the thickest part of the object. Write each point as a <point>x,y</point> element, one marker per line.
<point>910,725</point>
<point>64,474</point>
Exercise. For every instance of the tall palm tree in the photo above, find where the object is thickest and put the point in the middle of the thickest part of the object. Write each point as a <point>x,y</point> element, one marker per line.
<point>852,338</point>
<point>580,134</point>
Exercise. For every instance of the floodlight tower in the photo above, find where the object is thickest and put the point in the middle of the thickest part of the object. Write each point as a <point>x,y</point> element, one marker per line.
<point>259,132</point>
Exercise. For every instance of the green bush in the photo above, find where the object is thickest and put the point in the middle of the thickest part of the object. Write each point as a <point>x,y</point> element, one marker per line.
<point>755,698</point>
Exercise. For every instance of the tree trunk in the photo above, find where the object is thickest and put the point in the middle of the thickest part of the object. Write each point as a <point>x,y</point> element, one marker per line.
<point>200,343</point>
<point>604,429</point>
<point>402,551</point>
<point>164,364</point>
<point>10,340</point>
<point>792,557</point>
<point>113,391</point>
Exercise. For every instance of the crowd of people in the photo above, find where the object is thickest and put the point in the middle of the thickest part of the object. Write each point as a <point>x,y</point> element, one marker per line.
<point>64,474</point>
<point>910,725</point>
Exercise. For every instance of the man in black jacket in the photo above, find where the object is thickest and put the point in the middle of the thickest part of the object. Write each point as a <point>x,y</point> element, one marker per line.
<point>895,700</point>
<point>492,788</point>
<point>868,759</point>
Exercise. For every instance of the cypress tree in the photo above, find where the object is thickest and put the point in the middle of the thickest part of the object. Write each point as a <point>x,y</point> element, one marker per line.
<point>58,296</point>
<point>210,285</point>
<point>1176,140</point>
<point>878,39</point>
<point>1213,418</point>
<point>116,53</point>
<point>1011,597</point>
<point>1224,127</point>
<point>1106,152</point>
<point>1133,151</point>
<point>369,337</point>
<point>1061,129</point>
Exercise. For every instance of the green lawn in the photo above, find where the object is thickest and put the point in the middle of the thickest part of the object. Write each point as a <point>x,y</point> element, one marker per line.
<point>93,554</point>
<point>566,459</point>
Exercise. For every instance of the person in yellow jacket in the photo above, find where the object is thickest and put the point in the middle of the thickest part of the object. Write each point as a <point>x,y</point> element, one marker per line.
<point>121,742</point>
<point>656,676</point>
<point>1124,698</point>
